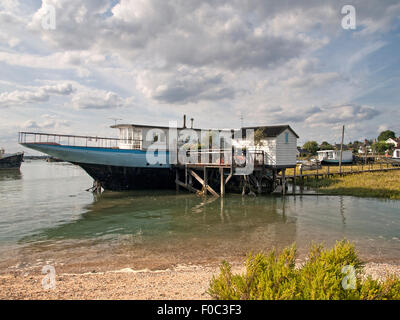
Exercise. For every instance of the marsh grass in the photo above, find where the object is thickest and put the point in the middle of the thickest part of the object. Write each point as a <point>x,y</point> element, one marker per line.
<point>368,184</point>
<point>345,168</point>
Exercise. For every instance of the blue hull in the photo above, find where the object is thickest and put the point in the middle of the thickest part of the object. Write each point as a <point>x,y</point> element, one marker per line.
<point>336,162</point>
<point>115,169</point>
<point>99,156</point>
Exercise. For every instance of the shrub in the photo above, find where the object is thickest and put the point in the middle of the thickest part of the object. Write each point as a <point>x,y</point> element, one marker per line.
<point>275,277</point>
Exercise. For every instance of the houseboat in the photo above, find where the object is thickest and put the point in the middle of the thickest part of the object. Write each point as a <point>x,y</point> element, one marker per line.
<point>396,157</point>
<point>333,157</point>
<point>10,161</point>
<point>153,157</point>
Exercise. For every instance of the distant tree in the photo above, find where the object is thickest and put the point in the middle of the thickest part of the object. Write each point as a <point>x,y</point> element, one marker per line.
<point>325,146</point>
<point>386,135</point>
<point>381,147</point>
<point>311,146</point>
<point>259,135</point>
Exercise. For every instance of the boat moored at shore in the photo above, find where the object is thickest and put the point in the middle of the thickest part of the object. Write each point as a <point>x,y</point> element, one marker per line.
<point>153,157</point>
<point>332,157</point>
<point>11,161</point>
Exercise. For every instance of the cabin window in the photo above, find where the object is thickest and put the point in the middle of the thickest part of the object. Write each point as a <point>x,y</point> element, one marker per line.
<point>286,137</point>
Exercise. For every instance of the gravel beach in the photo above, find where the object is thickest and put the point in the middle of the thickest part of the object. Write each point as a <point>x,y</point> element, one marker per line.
<point>180,282</point>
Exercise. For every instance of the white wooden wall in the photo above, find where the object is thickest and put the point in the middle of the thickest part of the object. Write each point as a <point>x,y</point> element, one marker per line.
<point>269,146</point>
<point>286,152</point>
<point>279,152</point>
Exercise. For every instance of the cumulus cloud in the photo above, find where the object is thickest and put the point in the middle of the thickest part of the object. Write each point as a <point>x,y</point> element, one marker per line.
<point>231,56</point>
<point>342,114</point>
<point>184,86</point>
<point>47,124</point>
<point>39,94</point>
<point>97,99</point>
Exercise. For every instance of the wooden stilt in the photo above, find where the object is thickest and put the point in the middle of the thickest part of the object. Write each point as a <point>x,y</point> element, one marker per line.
<point>205,182</point>
<point>284,181</point>
<point>177,179</point>
<point>294,180</point>
<point>221,172</point>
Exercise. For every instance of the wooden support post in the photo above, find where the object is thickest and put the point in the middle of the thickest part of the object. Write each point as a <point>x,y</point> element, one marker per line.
<point>294,180</point>
<point>284,181</point>
<point>177,179</point>
<point>187,186</point>
<point>221,172</point>
<point>205,181</point>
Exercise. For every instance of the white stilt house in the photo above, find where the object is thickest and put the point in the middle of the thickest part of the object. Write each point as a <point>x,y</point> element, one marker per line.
<point>279,144</point>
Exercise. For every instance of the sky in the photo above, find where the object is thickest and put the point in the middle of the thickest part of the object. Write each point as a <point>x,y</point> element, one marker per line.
<point>217,61</point>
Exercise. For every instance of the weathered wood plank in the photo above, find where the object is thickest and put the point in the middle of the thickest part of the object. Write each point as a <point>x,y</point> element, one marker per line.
<point>197,177</point>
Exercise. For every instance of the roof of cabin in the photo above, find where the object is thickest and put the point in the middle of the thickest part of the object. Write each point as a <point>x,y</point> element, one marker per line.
<point>273,131</point>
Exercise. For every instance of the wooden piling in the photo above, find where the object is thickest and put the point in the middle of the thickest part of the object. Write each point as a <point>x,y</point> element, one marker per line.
<point>177,179</point>
<point>205,181</point>
<point>221,172</point>
<point>294,180</point>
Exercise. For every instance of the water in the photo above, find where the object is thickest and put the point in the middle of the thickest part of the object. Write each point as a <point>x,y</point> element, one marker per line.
<point>46,214</point>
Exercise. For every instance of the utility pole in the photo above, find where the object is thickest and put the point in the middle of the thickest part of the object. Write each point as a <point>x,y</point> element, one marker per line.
<point>341,152</point>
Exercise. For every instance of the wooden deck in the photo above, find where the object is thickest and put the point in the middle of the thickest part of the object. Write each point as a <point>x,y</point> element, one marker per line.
<point>329,172</point>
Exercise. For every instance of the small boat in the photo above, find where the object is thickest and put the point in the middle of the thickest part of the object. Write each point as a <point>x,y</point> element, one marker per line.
<point>310,165</point>
<point>333,157</point>
<point>10,161</point>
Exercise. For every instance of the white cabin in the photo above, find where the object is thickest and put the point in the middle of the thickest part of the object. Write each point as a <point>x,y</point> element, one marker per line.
<point>334,156</point>
<point>396,154</point>
<point>279,144</point>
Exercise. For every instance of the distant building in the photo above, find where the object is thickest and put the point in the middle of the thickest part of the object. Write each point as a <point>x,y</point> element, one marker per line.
<point>395,142</point>
<point>365,149</point>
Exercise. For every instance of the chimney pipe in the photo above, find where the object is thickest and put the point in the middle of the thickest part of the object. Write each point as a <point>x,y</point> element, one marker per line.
<point>184,121</point>
<point>191,120</point>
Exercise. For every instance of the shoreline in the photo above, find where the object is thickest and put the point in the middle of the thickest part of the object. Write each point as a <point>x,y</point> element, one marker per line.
<point>377,185</point>
<point>183,282</point>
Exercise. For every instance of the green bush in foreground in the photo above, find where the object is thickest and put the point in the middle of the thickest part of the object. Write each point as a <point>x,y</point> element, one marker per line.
<point>323,276</point>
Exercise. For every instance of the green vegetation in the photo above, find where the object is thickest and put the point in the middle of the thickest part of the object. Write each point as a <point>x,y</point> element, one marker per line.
<point>384,135</point>
<point>323,276</point>
<point>311,146</point>
<point>369,184</point>
<point>259,135</point>
<point>325,146</point>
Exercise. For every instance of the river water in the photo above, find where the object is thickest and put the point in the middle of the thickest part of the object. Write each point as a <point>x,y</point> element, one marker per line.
<point>46,215</point>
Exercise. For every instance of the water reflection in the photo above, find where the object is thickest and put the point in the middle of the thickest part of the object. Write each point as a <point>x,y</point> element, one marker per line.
<point>47,208</point>
<point>10,174</point>
<point>182,218</point>
<point>342,209</point>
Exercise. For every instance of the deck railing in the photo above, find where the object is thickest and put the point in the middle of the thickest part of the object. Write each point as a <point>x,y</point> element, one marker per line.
<point>219,157</point>
<point>73,140</point>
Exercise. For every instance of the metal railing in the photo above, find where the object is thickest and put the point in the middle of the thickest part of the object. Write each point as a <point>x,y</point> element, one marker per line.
<point>237,156</point>
<point>78,141</point>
